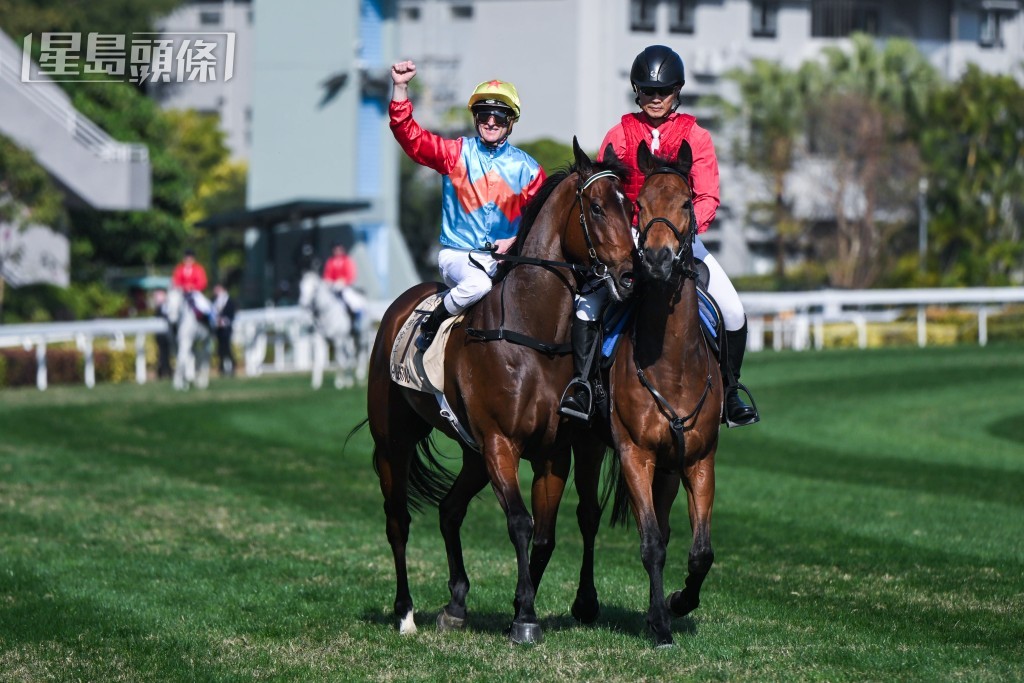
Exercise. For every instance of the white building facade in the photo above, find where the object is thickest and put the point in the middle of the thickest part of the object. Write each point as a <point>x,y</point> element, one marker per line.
<point>570,60</point>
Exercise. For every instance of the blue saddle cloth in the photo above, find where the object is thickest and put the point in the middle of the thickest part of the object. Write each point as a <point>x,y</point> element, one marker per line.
<point>619,315</point>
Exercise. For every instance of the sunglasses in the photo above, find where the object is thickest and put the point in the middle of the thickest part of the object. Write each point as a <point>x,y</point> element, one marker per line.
<point>660,92</point>
<point>500,117</point>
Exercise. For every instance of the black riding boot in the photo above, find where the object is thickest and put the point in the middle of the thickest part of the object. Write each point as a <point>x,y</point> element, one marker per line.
<point>737,413</point>
<point>428,328</point>
<point>578,398</point>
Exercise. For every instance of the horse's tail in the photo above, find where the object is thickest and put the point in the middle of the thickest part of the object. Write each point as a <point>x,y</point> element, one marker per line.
<point>615,489</point>
<point>429,480</point>
<point>352,433</point>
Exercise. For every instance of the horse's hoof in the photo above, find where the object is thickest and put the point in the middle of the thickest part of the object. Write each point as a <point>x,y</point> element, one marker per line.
<point>586,611</point>
<point>525,634</point>
<point>446,622</point>
<point>407,626</point>
<point>680,605</point>
<point>665,646</point>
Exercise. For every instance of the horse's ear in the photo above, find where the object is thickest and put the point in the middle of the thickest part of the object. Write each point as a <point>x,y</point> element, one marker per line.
<point>644,158</point>
<point>610,156</point>
<point>684,162</point>
<point>583,163</point>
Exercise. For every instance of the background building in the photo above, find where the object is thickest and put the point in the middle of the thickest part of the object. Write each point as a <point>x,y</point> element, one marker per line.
<point>312,119</point>
<point>308,109</point>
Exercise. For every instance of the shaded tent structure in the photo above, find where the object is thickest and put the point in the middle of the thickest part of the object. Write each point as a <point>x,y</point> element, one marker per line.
<point>282,240</point>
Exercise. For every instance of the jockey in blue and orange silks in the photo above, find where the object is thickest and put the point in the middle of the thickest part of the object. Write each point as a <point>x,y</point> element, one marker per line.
<point>487,181</point>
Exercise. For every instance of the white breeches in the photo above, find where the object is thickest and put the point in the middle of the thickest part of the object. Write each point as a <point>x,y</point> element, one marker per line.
<point>590,306</point>
<point>721,288</point>
<point>468,282</point>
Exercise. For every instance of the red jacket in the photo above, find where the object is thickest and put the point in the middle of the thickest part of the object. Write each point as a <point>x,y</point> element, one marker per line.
<point>340,269</point>
<point>189,278</point>
<point>625,137</point>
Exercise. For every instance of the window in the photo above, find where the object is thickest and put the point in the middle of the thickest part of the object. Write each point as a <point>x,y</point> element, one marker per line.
<point>991,29</point>
<point>681,16</point>
<point>411,13</point>
<point>840,18</point>
<point>462,11</point>
<point>209,18</point>
<point>764,16</point>
<point>641,15</point>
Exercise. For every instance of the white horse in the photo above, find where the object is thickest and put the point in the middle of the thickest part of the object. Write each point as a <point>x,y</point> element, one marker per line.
<point>334,325</point>
<point>192,366</point>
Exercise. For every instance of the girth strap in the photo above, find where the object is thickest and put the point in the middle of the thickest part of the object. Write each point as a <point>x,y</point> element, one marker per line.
<point>514,337</point>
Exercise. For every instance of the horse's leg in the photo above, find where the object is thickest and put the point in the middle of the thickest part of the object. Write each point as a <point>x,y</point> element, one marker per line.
<point>452,511</point>
<point>319,358</point>
<point>638,471</point>
<point>588,452</point>
<point>396,429</point>
<point>203,376</point>
<point>549,479</point>
<point>700,487</point>
<point>181,366</point>
<point>503,467</point>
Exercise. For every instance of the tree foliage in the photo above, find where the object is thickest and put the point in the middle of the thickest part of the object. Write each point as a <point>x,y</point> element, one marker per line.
<point>857,114</point>
<point>974,147</point>
<point>775,107</point>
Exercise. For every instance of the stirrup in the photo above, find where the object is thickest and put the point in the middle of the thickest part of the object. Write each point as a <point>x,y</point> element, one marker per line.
<point>753,404</point>
<point>569,400</point>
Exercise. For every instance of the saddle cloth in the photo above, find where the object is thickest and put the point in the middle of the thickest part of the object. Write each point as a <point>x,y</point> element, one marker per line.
<point>421,371</point>
<point>619,315</point>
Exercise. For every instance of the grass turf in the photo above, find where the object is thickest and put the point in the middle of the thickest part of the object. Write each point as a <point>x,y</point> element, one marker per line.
<point>870,528</point>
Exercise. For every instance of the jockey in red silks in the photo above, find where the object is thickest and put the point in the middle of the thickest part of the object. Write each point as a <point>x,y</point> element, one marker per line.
<point>340,274</point>
<point>657,76</point>
<point>486,183</point>
<point>190,277</point>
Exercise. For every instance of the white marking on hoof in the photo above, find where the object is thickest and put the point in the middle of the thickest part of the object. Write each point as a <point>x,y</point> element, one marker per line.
<point>408,625</point>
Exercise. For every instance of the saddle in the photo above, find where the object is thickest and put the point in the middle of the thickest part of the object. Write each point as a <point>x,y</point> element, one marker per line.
<point>424,371</point>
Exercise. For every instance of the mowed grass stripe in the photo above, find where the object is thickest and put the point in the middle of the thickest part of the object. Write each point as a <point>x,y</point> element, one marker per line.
<point>868,529</point>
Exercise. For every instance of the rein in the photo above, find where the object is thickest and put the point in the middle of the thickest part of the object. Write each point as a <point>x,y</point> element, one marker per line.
<point>597,269</point>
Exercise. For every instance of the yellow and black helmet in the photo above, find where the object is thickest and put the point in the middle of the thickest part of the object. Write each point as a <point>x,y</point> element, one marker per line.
<point>495,94</point>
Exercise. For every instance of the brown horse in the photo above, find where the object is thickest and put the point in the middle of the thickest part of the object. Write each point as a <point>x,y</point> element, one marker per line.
<point>666,391</point>
<point>505,368</point>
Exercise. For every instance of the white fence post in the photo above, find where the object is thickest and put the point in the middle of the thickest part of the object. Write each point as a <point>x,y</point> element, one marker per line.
<point>922,327</point>
<point>41,365</point>
<point>140,358</point>
<point>84,343</point>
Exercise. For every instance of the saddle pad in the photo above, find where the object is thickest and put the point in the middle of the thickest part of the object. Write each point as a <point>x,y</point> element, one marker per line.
<point>619,315</point>
<point>708,313</point>
<point>415,370</point>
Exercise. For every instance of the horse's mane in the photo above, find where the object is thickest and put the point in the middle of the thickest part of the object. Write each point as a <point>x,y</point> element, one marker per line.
<point>532,209</point>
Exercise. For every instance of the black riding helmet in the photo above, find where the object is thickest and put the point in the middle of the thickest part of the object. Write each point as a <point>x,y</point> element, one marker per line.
<point>658,66</point>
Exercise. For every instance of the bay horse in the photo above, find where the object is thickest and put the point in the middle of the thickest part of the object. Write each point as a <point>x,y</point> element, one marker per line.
<point>666,391</point>
<point>506,364</point>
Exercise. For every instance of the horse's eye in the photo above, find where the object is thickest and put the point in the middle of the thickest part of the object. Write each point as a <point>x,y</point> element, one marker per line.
<point>687,204</point>
<point>597,210</point>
